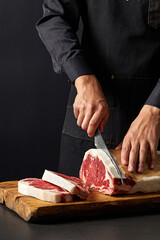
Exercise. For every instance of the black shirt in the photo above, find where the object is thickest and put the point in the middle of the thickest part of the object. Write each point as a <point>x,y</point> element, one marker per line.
<point>121,40</point>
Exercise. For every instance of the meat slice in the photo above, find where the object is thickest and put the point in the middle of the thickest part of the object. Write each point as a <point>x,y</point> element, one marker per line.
<point>73,185</point>
<point>98,172</point>
<point>43,190</point>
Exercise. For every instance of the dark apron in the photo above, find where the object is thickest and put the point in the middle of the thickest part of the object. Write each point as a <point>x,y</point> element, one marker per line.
<point>131,75</point>
<point>126,64</point>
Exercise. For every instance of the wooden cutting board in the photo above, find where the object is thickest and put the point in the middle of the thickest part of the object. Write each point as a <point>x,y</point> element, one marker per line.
<point>32,209</point>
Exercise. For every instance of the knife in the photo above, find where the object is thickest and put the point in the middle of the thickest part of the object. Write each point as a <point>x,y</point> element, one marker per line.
<point>100,144</point>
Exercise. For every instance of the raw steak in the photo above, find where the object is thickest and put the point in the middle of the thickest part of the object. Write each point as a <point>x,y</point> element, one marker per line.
<point>98,172</point>
<point>71,184</point>
<point>43,190</point>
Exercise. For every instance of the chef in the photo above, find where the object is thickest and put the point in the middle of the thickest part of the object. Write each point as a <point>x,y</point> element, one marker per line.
<point>114,73</point>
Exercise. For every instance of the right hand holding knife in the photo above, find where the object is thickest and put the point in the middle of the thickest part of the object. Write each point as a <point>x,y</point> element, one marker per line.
<point>90,106</point>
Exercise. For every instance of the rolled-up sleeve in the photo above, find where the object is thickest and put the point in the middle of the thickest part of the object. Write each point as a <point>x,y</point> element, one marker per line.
<point>154,97</point>
<point>57,29</point>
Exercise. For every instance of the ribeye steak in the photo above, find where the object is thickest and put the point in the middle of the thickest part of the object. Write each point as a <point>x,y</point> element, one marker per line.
<point>98,172</point>
<point>43,190</point>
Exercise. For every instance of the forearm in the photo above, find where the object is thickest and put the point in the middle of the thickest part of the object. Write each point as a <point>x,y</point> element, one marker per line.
<point>57,29</point>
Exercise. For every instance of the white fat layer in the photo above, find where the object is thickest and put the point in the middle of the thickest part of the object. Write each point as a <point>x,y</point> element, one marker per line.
<point>106,161</point>
<point>147,184</point>
<point>49,176</point>
<point>42,194</point>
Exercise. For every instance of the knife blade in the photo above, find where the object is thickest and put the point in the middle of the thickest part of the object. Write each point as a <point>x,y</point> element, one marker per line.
<point>100,144</point>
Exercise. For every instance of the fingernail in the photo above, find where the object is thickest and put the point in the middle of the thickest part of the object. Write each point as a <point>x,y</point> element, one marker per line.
<point>152,165</point>
<point>130,169</point>
<point>140,169</point>
<point>124,161</point>
<point>90,135</point>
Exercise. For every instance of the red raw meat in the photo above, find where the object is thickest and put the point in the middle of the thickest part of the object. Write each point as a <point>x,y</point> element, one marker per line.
<point>98,172</point>
<point>43,190</point>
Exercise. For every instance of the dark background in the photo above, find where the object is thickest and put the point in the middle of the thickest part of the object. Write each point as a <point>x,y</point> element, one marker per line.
<point>32,96</point>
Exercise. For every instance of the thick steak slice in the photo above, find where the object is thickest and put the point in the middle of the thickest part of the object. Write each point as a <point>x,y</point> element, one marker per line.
<point>43,190</point>
<point>98,172</point>
<point>71,184</point>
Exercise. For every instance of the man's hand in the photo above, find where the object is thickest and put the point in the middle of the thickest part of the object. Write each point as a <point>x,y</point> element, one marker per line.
<point>143,135</point>
<point>90,106</point>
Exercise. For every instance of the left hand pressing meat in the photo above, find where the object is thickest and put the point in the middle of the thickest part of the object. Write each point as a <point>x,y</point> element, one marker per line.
<point>143,135</point>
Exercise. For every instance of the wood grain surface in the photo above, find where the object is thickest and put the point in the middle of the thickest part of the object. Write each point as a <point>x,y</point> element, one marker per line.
<point>32,209</point>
